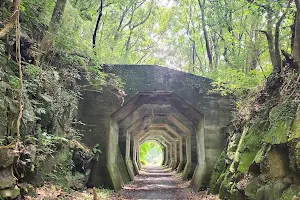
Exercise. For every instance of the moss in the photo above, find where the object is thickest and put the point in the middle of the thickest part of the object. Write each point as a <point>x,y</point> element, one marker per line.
<point>235,162</point>
<point>218,170</point>
<point>253,139</point>
<point>294,157</point>
<point>251,145</point>
<point>293,192</point>
<point>282,112</point>
<point>295,128</point>
<point>233,143</point>
<point>261,154</point>
<point>228,189</point>
<point>7,178</point>
<point>276,163</point>
<point>7,157</point>
<point>281,120</point>
<point>51,167</point>
<point>246,160</point>
<point>220,180</point>
<point>226,186</point>
<point>279,133</point>
<point>252,187</point>
<point>10,193</point>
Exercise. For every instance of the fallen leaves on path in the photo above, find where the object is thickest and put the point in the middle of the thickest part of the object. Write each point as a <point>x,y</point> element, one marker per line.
<point>160,183</point>
<point>52,192</point>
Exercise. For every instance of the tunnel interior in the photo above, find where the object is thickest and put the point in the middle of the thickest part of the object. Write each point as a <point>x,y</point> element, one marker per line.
<point>162,117</point>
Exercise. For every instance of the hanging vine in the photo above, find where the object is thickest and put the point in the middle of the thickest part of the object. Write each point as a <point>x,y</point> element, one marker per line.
<point>18,58</point>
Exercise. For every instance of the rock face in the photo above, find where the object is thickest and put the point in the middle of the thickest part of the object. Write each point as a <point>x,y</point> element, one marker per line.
<point>8,181</point>
<point>264,151</point>
<point>7,178</point>
<point>7,157</point>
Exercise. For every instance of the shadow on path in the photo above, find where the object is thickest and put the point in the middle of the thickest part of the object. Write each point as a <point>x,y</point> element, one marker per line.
<point>156,182</point>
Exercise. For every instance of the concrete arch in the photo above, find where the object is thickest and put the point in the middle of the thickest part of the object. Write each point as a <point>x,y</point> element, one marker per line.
<point>173,132</point>
<point>172,119</point>
<point>176,135</point>
<point>168,138</point>
<point>162,141</point>
<point>144,120</point>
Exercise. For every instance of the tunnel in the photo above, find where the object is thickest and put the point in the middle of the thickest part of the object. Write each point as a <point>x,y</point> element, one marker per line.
<point>173,108</point>
<point>152,114</point>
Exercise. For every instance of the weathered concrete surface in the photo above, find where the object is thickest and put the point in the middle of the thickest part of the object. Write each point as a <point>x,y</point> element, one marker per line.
<point>155,91</point>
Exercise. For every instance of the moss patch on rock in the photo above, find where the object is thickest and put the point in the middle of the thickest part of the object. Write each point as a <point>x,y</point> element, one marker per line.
<point>293,192</point>
<point>294,157</point>
<point>246,160</point>
<point>47,167</point>
<point>281,118</point>
<point>295,128</point>
<point>219,168</point>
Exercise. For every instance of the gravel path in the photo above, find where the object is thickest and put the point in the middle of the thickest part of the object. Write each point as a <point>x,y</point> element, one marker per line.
<point>159,183</point>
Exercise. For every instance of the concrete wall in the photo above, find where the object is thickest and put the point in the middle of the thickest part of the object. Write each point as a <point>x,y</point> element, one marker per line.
<point>97,108</point>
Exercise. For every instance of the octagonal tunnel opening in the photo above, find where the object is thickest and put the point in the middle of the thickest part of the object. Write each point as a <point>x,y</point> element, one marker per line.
<point>147,116</point>
<point>151,153</point>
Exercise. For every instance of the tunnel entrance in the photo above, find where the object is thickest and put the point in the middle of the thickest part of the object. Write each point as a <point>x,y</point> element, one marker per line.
<point>173,108</point>
<point>166,119</point>
<point>151,153</point>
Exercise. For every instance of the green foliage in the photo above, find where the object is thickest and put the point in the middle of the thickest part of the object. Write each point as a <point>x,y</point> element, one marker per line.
<point>293,192</point>
<point>96,151</point>
<point>283,112</point>
<point>151,153</point>
<point>60,174</point>
<point>31,71</point>
<point>47,145</point>
<point>170,36</point>
<point>229,81</point>
<point>14,81</point>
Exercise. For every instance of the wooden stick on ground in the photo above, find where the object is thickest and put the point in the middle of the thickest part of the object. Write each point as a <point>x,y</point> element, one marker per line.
<point>95,194</point>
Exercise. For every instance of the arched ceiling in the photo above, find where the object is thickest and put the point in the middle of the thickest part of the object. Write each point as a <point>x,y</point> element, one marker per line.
<point>158,98</point>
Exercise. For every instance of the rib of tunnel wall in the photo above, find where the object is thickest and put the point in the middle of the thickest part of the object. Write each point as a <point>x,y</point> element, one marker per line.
<point>96,109</point>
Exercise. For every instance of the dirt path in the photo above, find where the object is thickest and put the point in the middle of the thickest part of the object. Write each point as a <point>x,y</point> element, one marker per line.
<point>159,183</point>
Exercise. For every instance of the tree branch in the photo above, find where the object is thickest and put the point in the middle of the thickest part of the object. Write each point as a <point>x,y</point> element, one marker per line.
<point>144,20</point>
<point>97,24</point>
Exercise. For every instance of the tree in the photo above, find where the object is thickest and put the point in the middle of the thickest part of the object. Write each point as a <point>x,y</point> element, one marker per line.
<point>97,24</point>
<point>203,20</point>
<point>296,43</point>
<point>57,15</point>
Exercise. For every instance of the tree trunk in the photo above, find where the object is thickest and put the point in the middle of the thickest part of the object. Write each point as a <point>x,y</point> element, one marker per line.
<point>12,19</point>
<point>47,41</point>
<point>208,50</point>
<point>97,24</point>
<point>296,45</point>
<point>276,63</point>
<point>255,52</point>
